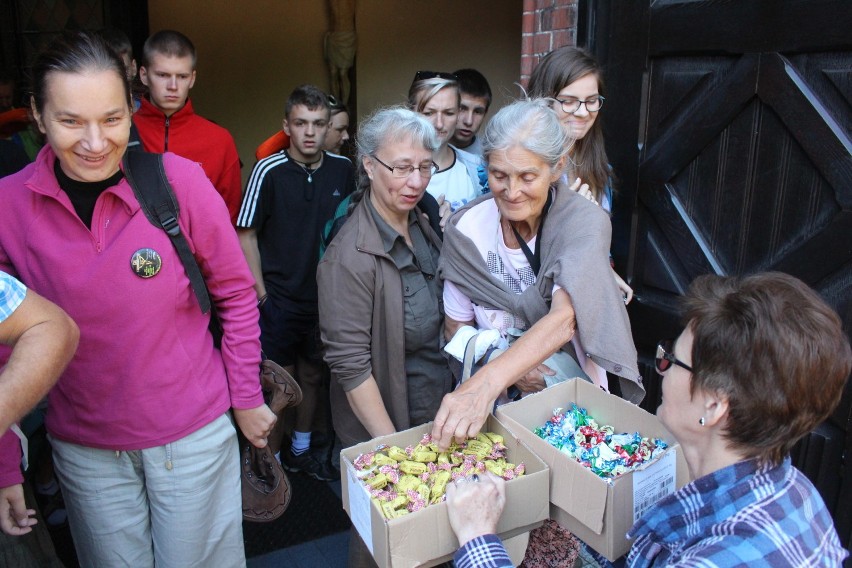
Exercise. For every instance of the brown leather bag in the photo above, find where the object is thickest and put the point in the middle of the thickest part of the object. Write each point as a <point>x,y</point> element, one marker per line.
<point>266,488</point>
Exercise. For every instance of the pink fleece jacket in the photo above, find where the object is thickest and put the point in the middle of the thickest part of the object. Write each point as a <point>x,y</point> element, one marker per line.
<point>146,372</point>
<point>10,460</point>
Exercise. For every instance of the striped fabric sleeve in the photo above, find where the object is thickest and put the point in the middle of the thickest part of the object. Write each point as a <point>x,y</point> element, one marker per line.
<point>248,209</point>
<point>483,552</point>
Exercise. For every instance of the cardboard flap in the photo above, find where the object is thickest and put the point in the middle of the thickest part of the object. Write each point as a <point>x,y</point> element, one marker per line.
<point>587,495</point>
<point>425,538</point>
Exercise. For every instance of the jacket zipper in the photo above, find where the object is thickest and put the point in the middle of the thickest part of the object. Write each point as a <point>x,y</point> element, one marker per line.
<point>166,142</point>
<point>98,224</point>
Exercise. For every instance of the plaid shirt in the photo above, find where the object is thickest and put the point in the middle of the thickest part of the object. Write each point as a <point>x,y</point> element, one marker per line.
<point>12,294</point>
<point>740,516</point>
<point>483,552</point>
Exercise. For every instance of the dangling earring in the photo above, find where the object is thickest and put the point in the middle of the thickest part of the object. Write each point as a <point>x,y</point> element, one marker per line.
<point>701,421</point>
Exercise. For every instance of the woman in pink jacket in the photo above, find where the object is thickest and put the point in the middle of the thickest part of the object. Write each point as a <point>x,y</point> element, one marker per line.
<point>144,444</point>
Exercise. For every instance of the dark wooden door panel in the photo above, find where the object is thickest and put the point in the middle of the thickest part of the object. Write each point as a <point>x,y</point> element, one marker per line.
<point>742,163</point>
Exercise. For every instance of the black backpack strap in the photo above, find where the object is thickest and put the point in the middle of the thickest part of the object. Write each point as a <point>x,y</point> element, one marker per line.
<point>134,143</point>
<point>145,174</point>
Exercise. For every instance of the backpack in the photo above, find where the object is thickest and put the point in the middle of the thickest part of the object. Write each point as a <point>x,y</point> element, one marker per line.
<point>266,490</point>
<point>147,177</point>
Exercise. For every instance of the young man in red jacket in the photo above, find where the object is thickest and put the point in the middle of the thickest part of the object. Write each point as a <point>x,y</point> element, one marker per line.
<point>167,122</point>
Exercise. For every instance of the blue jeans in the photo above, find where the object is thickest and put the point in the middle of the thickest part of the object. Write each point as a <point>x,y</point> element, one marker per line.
<point>174,505</point>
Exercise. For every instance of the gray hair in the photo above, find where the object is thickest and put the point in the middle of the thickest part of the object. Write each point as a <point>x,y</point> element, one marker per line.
<point>528,124</point>
<point>389,126</point>
<point>422,91</point>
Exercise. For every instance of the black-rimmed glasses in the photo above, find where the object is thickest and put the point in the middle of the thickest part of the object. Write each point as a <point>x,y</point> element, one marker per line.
<point>426,171</point>
<point>665,357</point>
<point>570,105</point>
<point>423,75</point>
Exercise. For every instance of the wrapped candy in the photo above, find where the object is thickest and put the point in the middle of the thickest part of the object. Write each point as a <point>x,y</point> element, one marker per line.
<point>405,480</point>
<point>599,448</point>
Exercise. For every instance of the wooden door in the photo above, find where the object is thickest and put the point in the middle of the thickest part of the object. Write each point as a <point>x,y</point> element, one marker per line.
<point>730,126</point>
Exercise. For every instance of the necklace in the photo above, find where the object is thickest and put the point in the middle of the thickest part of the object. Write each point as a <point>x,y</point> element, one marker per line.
<point>307,167</point>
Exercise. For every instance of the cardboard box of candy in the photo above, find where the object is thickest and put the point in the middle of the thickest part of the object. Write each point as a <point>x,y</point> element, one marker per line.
<point>424,537</point>
<point>599,511</point>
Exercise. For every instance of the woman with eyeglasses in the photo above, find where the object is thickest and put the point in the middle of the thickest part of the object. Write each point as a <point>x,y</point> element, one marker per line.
<point>532,259</point>
<point>436,96</point>
<point>573,79</point>
<point>761,362</point>
<point>379,295</point>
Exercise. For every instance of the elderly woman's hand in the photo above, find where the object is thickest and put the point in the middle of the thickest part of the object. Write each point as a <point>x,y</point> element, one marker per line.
<point>534,380</point>
<point>625,288</point>
<point>255,423</point>
<point>474,507</point>
<point>464,411</point>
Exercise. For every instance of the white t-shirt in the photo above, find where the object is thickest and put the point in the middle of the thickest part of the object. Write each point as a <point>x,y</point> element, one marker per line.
<point>482,225</point>
<point>454,183</point>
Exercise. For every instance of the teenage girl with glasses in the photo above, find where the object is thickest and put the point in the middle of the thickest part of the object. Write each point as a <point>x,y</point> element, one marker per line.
<point>574,80</point>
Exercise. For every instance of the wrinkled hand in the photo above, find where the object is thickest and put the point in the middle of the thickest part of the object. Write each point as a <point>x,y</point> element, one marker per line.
<point>474,507</point>
<point>534,380</point>
<point>15,518</point>
<point>625,288</point>
<point>463,411</point>
<point>584,190</point>
<point>255,424</point>
<point>444,210</point>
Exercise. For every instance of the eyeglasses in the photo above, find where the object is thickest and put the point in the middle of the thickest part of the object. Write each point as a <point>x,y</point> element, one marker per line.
<point>426,171</point>
<point>423,75</point>
<point>571,105</point>
<point>665,357</point>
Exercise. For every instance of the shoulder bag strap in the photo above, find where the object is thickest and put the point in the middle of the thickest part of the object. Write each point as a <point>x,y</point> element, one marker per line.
<point>535,258</point>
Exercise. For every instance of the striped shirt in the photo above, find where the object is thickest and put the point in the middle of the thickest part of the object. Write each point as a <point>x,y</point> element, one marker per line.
<point>12,294</point>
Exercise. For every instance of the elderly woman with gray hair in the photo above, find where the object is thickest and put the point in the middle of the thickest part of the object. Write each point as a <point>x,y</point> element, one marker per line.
<point>379,295</point>
<point>531,262</point>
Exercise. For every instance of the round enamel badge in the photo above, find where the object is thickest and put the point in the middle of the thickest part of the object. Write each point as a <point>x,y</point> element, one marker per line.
<point>146,263</point>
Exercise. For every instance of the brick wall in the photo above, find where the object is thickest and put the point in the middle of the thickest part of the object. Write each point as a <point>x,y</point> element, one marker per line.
<point>547,24</point>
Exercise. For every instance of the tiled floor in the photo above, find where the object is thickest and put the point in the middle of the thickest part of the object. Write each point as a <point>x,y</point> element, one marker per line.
<point>331,552</point>
<point>328,552</point>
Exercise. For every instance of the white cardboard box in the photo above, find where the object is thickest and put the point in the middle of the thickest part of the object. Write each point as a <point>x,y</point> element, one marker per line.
<point>598,512</point>
<point>425,538</point>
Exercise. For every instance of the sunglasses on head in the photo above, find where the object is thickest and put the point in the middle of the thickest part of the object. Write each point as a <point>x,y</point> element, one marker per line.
<point>333,103</point>
<point>423,75</point>
<point>665,357</point>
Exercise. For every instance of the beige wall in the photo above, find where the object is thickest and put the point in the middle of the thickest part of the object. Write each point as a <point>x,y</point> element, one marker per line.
<point>251,54</point>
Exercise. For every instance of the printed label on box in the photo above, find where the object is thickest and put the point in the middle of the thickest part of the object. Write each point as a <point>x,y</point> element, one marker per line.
<point>359,509</point>
<point>653,483</point>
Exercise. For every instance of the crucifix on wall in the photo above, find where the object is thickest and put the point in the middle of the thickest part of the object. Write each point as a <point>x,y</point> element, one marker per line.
<point>340,46</point>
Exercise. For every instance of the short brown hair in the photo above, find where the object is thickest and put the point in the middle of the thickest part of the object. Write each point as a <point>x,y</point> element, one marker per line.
<point>308,96</point>
<point>170,43</point>
<point>775,349</point>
